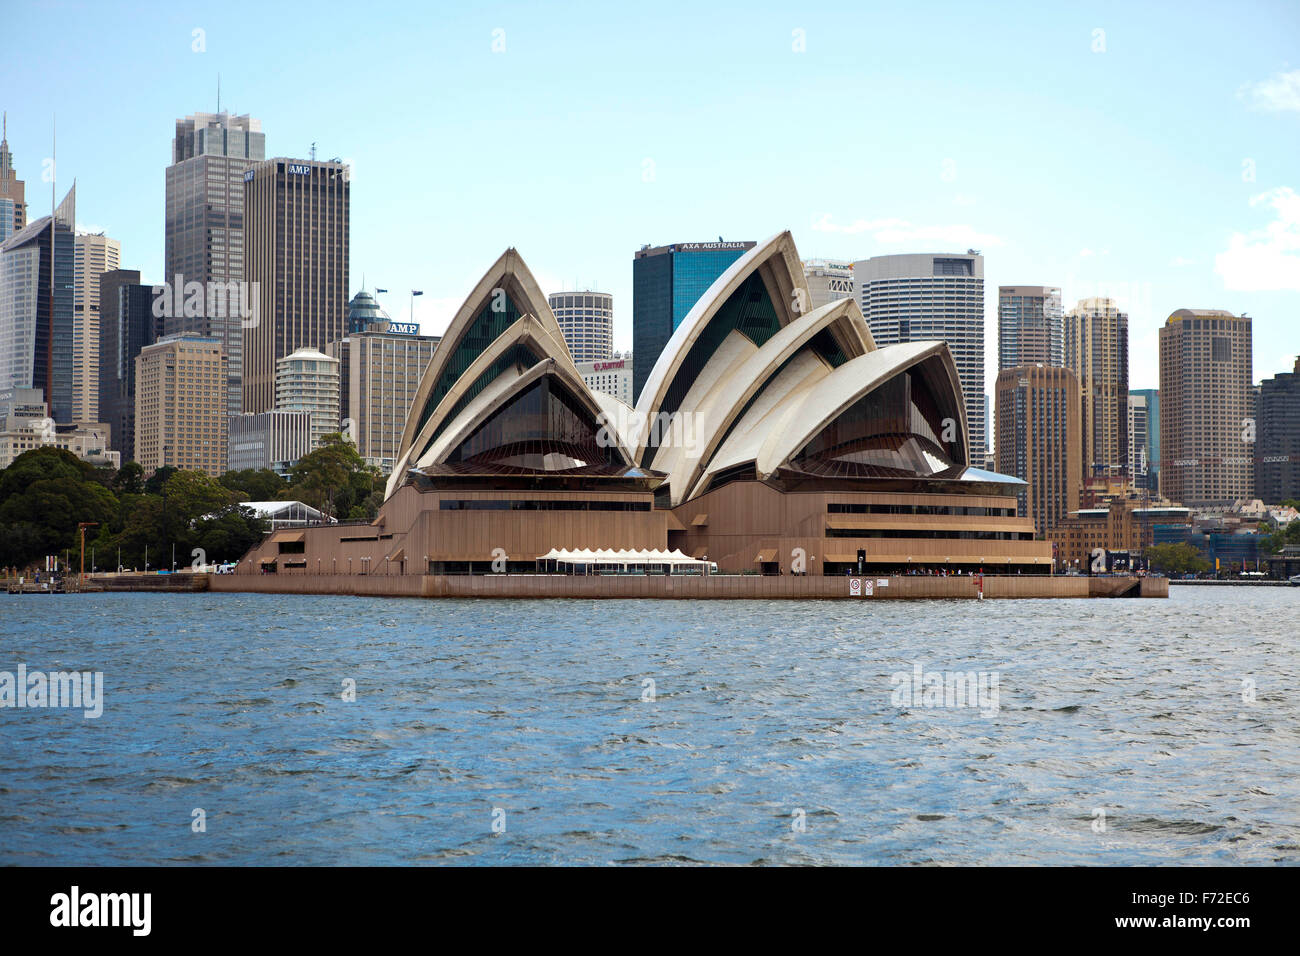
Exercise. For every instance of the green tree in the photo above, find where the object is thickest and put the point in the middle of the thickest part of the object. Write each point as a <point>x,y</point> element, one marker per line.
<point>1275,542</point>
<point>129,479</point>
<point>335,480</point>
<point>154,485</point>
<point>44,494</point>
<point>1179,558</point>
<point>227,534</point>
<point>258,484</point>
<point>136,531</point>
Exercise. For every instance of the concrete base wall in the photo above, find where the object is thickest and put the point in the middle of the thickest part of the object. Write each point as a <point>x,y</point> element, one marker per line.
<point>747,587</point>
<point>180,581</point>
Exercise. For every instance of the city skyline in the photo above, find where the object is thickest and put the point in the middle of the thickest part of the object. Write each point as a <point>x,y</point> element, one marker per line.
<point>1119,222</point>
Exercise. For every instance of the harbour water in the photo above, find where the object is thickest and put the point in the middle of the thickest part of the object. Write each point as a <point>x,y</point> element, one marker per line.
<point>581,732</point>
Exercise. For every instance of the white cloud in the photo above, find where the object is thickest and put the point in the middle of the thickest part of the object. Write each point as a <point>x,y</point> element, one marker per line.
<point>1265,259</point>
<point>1278,93</point>
<point>900,230</point>
<point>1179,262</point>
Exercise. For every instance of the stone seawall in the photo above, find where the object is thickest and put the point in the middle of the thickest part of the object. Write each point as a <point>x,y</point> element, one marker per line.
<point>737,587</point>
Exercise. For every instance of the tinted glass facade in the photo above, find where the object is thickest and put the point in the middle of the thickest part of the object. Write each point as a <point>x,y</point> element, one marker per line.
<point>1277,469</point>
<point>127,326</point>
<point>36,322</point>
<point>666,284</point>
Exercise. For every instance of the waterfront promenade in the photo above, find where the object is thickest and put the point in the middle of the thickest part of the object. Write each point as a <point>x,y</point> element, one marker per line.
<point>736,587</point>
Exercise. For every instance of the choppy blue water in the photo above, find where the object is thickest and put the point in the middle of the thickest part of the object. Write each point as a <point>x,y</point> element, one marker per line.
<point>766,715</point>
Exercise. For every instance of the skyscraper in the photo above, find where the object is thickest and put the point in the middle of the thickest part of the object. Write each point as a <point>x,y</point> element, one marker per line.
<point>180,404</point>
<point>1030,326</point>
<point>1038,440</point>
<point>911,298</point>
<point>296,220</point>
<point>1207,423</point>
<point>667,281</point>
<point>1096,350</point>
<point>126,326</point>
<point>13,200</point>
<point>205,224</point>
<point>828,281</point>
<point>1277,460</point>
<point>587,320</point>
<point>95,255</point>
<point>36,324</point>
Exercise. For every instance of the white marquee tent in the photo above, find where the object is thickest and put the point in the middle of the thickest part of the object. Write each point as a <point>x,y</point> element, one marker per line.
<point>627,560</point>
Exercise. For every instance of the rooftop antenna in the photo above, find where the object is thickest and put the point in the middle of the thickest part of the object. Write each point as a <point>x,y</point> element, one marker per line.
<point>218,92</point>
<point>313,152</point>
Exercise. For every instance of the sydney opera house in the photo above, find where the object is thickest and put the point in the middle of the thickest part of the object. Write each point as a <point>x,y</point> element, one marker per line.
<point>768,439</point>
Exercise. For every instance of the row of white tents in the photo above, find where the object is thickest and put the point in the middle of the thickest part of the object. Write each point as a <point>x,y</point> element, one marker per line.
<point>627,559</point>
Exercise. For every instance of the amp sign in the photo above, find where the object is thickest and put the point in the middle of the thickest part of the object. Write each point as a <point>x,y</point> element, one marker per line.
<point>297,169</point>
<point>404,328</point>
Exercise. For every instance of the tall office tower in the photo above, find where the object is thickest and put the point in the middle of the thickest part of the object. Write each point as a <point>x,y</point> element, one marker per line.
<point>1277,459</point>
<point>1139,445</point>
<point>126,326</point>
<point>1038,440</point>
<point>308,381</point>
<point>909,298</point>
<point>379,373</point>
<point>1150,397</point>
<point>1206,414</point>
<point>180,404</point>
<point>296,217</point>
<point>667,281</point>
<point>829,280</point>
<point>205,226</point>
<point>1096,350</point>
<point>36,269</point>
<point>1030,326</point>
<point>587,320</point>
<point>13,200</point>
<point>95,255</point>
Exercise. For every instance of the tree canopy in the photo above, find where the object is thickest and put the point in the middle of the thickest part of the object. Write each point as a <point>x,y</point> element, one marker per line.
<point>46,492</point>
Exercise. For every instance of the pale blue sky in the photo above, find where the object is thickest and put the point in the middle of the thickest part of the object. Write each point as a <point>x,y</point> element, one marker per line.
<point>1158,160</point>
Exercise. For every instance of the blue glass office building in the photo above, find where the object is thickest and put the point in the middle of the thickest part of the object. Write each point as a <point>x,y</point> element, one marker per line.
<point>666,282</point>
<point>1152,396</point>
